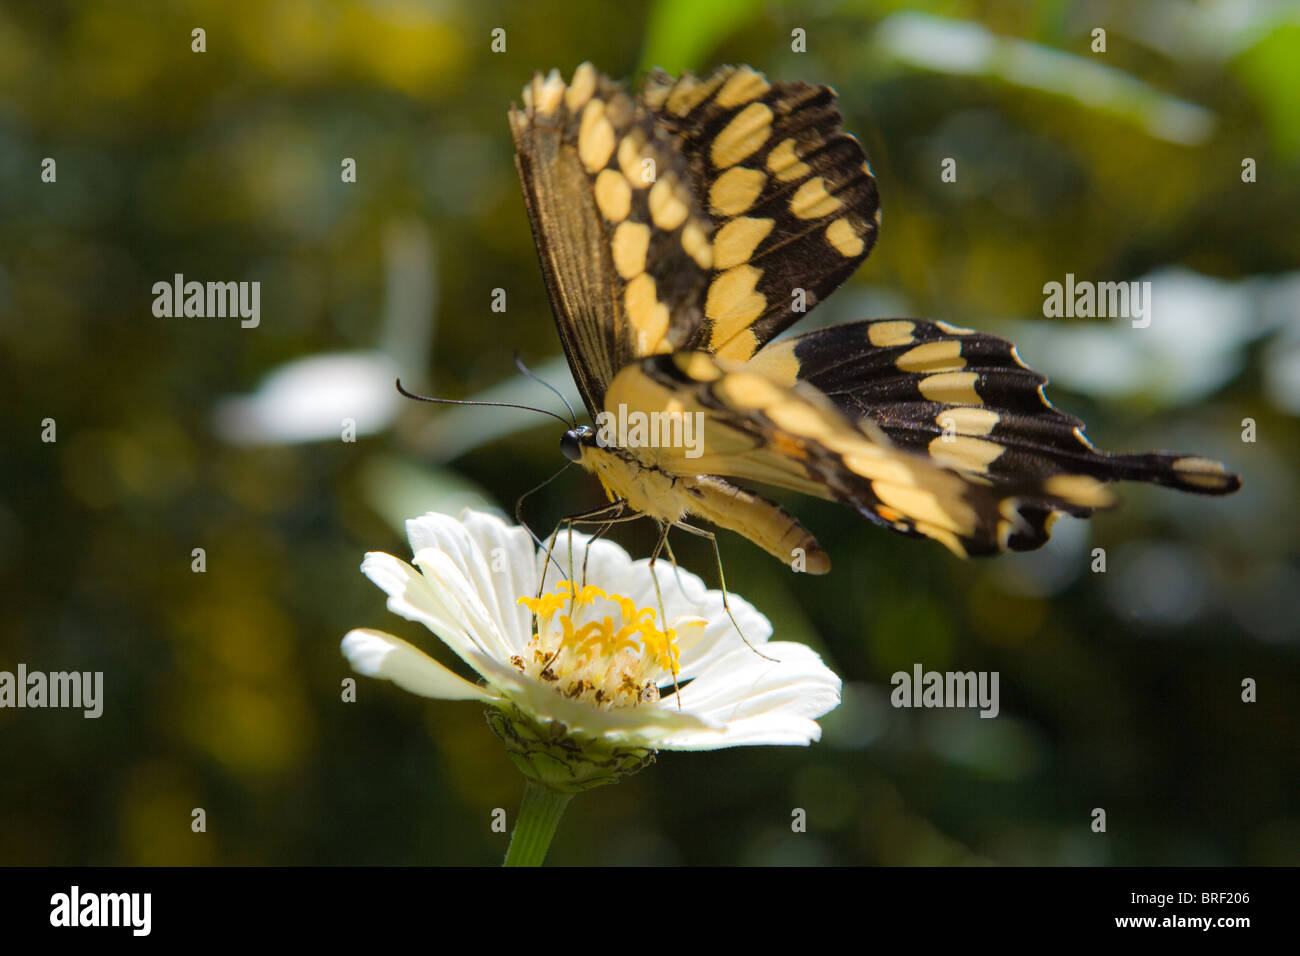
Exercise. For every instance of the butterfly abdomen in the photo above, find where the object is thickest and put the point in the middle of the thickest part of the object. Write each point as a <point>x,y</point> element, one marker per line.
<point>763,522</point>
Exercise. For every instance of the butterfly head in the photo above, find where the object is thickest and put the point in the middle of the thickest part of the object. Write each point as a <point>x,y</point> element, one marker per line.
<point>575,440</point>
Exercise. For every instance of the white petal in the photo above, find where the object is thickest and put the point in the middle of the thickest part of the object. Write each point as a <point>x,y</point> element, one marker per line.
<point>721,637</point>
<point>495,558</point>
<point>376,654</point>
<point>453,586</point>
<point>424,600</point>
<point>760,701</point>
<point>755,732</point>
<point>513,568</point>
<point>409,595</point>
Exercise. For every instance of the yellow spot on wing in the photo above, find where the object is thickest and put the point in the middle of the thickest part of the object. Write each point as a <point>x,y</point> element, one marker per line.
<point>735,190</point>
<point>595,137</point>
<point>784,162</point>
<point>630,160</point>
<point>846,242</point>
<point>696,244</point>
<point>932,357</point>
<point>943,536</point>
<point>580,90</point>
<point>1199,464</point>
<point>967,454</point>
<point>884,334</point>
<point>737,240</point>
<point>690,92</point>
<point>667,208</point>
<point>613,195</point>
<point>874,465</point>
<point>747,390</point>
<point>916,503</point>
<point>951,388</point>
<point>967,421</point>
<point>733,302</point>
<point>1201,472</point>
<point>1081,490</point>
<point>741,87</point>
<point>778,362</point>
<point>648,316</point>
<point>631,240</point>
<point>953,329</point>
<point>739,347</point>
<point>746,132</point>
<point>812,201</point>
<point>800,419</point>
<point>547,95</point>
<point>698,366</point>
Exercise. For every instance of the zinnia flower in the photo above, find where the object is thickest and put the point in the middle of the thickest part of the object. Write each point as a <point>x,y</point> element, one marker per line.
<point>583,682</point>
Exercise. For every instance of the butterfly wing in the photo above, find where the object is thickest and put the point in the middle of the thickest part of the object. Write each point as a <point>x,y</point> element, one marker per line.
<point>759,428</point>
<point>968,400</point>
<point>706,214</point>
<point>623,245</point>
<point>680,232</point>
<point>791,197</point>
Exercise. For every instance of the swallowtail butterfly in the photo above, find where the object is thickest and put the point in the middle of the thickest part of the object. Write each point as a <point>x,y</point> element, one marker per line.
<point>677,231</point>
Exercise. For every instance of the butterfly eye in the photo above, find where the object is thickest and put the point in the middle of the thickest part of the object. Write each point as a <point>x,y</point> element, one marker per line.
<point>571,445</point>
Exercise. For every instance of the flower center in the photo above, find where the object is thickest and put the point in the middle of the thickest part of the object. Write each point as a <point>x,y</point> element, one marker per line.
<point>598,647</point>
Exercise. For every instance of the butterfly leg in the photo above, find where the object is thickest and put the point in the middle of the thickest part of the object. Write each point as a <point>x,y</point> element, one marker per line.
<point>654,577</point>
<point>676,569</point>
<point>586,552</point>
<point>617,518</point>
<point>606,515</point>
<point>722,580</point>
<point>595,516</point>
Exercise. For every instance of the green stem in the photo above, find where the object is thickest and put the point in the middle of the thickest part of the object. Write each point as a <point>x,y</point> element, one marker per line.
<point>539,815</point>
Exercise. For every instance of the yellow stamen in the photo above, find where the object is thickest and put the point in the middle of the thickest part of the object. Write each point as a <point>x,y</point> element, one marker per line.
<point>608,660</point>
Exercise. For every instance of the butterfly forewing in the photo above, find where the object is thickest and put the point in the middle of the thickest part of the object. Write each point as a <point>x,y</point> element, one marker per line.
<point>791,196</point>
<point>623,244</point>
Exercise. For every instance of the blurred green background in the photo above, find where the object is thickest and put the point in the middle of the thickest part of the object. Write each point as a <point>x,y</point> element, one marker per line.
<point>1119,690</point>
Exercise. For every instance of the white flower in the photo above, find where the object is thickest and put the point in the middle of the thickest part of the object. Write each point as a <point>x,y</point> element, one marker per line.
<point>595,668</point>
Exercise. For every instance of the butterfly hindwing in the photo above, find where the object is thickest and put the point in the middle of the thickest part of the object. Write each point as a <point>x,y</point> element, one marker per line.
<point>758,429</point>
<point>968,400</point>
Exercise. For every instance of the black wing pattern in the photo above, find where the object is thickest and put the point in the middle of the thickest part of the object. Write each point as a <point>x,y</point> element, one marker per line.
<point>968,400</point>
<point>706,214</point>
<point>791,196</point>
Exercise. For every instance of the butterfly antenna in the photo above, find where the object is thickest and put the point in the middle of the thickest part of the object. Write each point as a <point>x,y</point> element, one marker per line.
<point>519,364</point>
<point>519,517</point>
<point>464,401</point>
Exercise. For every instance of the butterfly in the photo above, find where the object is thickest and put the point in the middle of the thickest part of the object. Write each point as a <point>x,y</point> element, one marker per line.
<point>679,233</point>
